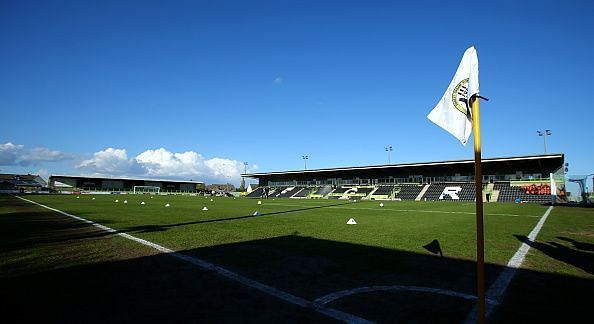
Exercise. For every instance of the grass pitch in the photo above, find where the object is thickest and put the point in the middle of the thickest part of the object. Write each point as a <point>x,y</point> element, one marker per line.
<point>304,247</point>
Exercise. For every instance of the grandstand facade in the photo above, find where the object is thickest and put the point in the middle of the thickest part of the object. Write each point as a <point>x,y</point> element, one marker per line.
<point>107,184</point>
<point>19,183</point>
<point>504,179</point>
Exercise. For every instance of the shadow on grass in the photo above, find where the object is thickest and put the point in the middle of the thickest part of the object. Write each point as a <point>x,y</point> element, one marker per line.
<point>26,229</point>
<point>434,247</point>
<point>578,245</point>
<point>161,288</point>
<point>571,256</point>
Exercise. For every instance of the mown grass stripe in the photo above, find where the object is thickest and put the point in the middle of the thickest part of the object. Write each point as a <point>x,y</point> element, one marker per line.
<point>411,210</point>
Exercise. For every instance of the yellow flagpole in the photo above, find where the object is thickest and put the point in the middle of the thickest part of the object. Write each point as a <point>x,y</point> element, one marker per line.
<point>480,241</point>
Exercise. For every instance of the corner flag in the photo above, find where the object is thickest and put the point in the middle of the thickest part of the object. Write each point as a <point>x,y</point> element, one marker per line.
<point>458,112</point>
<point>452,112</point>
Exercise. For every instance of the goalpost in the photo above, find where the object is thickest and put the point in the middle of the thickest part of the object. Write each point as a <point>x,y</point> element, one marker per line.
<point>147,189</point>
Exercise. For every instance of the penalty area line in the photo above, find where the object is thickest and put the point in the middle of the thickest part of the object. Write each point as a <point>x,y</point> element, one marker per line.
<point>269,290</point>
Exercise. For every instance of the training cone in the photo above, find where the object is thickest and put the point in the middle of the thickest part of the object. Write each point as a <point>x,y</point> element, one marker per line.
<point>77,197</point>
<point>256,213</point>
<point>211,200</point>
<point>125,201</point>
<point>142,203</point>
<point>204,208</point>
<point>167,205</point>
<point>117,200</point>
<point>381,204</point>
<point>352,222</point>
<point>93,198</point>
<point>151,197</point>
<point>355,200</point>
<point>259,202</point>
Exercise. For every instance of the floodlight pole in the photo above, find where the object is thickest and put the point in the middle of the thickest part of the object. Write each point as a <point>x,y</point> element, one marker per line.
<point>388,149</point>
<point>544,134</point>
<point>305,158</point>
<point>245,164</point>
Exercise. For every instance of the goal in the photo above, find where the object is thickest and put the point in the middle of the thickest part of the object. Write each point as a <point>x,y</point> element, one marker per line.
<point>146,189</point>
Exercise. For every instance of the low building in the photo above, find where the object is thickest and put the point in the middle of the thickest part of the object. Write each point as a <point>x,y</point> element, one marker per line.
<point>118,184</point>
<point>12,183</point>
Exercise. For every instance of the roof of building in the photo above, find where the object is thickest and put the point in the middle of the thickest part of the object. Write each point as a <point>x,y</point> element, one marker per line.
<point>124,178</point>
<point>23,179</point>
<point>451,163</point>
<point>13,176</point>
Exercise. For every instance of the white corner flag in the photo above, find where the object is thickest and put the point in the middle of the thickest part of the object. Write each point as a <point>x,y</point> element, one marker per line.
<point>452,112</point>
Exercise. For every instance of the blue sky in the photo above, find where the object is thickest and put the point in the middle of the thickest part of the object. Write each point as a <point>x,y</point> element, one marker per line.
<point>191,89</point>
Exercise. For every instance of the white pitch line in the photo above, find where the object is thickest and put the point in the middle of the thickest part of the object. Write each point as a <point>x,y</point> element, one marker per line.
<point>497,289</point>
<point>330,312</point>
<point>344,293</point>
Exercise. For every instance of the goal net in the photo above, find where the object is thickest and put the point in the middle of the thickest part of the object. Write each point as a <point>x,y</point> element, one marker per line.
<point>146,189</point>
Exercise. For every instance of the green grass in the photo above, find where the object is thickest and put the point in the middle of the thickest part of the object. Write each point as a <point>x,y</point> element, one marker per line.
<point>36,240</point>
<point>565,245</point>
<point>66,271</point>
<point>306,248</point>
<point>398,225</point>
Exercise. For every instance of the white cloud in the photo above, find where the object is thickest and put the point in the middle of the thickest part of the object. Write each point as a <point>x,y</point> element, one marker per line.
<point>190,164</point>
<point>223,167</point>
<point>161,163</point>
<point>44,154</point>
<point>158,163</point>
<point>9,153</point>
<point>278,80</point>
<point>109,161</point>
<point>16,154</point>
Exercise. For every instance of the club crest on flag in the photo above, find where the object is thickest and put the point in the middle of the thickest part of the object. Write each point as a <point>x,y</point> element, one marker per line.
<point>452,112</point>
<point>460,97</point>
